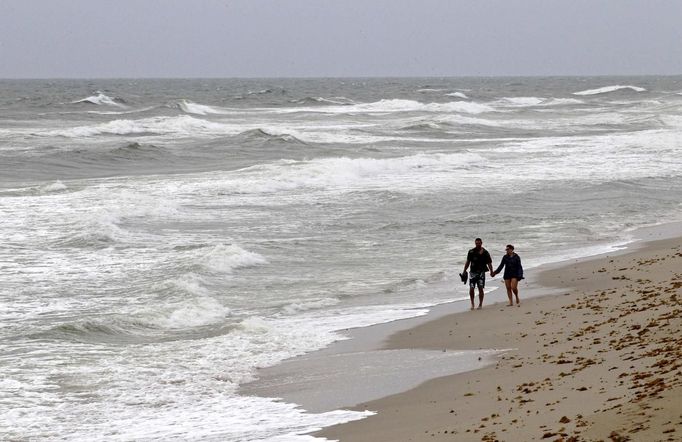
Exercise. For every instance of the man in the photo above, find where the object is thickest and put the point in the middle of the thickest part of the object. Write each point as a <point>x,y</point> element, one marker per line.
<point>480,262</point>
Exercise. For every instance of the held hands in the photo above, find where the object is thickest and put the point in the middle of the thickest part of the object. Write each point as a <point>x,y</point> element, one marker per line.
<point>492,274</point>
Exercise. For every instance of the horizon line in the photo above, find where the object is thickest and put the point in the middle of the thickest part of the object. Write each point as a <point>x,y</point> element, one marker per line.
<point>332,77</point>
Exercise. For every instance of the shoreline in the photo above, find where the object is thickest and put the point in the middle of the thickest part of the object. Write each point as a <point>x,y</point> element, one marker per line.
<point>375,343</point>
<point>598,361</point>
<point>340,376</point>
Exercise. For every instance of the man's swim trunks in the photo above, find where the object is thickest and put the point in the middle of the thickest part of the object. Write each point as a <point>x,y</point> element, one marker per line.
<point>477,280</point>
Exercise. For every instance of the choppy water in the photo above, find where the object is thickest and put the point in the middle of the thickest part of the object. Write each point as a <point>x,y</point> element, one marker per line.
<point>162,238</point>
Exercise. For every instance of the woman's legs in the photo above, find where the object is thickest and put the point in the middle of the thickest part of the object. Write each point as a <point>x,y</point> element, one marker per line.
<point>508,285</point>
<point>514,285</point>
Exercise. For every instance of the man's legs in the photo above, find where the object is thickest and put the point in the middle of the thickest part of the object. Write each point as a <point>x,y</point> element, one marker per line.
<point>480,297</point>
<point>471,295</point>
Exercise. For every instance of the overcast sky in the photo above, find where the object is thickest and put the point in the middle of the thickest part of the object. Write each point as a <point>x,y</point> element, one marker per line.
<point>320,38</point>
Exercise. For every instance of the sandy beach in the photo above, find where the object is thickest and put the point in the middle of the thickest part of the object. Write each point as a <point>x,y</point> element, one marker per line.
<point>599,362</point>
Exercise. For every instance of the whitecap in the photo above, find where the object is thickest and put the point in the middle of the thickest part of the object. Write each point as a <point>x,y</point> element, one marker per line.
<point>458,120</point>
<point>257,324</point>
<point>264,134</point>
<point>422,125</point>
<point>193,312</point>
<point>331,134</point>
<point>183,125</point>
<point>305,305</point>
<point>562,101</point>
<point>421,171</point>
<point>457,94</point>
<point>331,100</point>
<point>396,105</point>
<point>607,89</point>
<point>260,92</point>
<point>190,284</point>
<point>99,99</point>
<point>132,111</point>
<point>523,101</point>
<point>674,121</point>
<point>57,186</point>
<point>199,109</point>
<point>226,258</point>
<point>190,126</point>
<point>537,101</point>
<point>99,230</point>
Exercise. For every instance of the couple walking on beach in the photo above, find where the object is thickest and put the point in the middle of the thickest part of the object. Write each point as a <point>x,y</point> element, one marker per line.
<point>480,261</point>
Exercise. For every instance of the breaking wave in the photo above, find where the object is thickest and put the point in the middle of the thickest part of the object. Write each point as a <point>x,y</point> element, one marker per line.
<point>101,232</point>
<point>457,95</point>
<point>562,101</point>
<point>101,99</point>
<point>137,151</point>
<point>523,101</point>
<point>305,305</point>
<point>117,330</point>
<point>420,171</point>
<point>607,89</point>
<point>263,135</point>
<point>189,126</point>
<point>218,258</point>
<point>124,112</point>
<point>260,92</point>
<point>423,125</point>
<point>54,187</point>
<point>225,258</point>
<point>537,101</point>
<point>183,125</point>
<point>322,100</point>
<point>97,161</point>
<point>191,312</point>
<point>398,105</point>
<point>200,109</point>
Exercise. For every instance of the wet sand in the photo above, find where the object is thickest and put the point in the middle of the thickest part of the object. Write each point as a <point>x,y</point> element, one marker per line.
<point>600,361</point>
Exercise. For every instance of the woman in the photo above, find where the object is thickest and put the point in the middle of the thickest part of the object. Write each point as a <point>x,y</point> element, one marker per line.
<point>513,273</point>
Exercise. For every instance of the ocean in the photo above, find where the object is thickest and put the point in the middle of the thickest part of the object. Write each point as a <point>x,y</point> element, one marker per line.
<point>163,239</point>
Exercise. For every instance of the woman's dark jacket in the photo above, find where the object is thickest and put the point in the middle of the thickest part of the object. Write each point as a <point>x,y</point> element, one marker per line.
<point>512,267</point>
